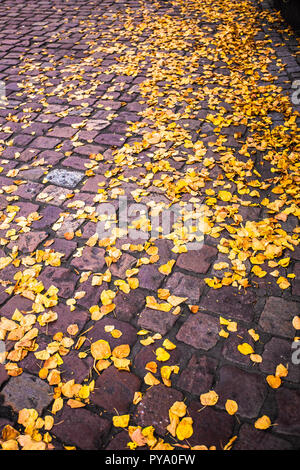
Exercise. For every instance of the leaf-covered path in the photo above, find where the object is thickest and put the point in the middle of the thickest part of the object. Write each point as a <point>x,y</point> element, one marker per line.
<point>114,341</point>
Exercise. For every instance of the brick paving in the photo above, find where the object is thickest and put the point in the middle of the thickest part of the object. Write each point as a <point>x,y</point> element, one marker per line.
<point>80,78</point>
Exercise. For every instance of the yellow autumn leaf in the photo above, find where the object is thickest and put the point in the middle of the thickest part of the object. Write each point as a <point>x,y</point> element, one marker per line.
<point>107,296</point>
<point>225,196</point>
<point>121,351</point>
<point>263,423</point>
<point>167,268</point>
<point>149,379</point>
<point>179,409</point>
<point>100,349</point>
<point>273,381</point>
<point>209,399</point>
<point>231,407</point>
<point>245,349</point>
<point>121,421</point>
<point>281,371</point>
<point>162,355</point>
<point>184,429</point>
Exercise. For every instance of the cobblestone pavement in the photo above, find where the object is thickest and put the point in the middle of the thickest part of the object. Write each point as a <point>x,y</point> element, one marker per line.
<point>191,102</point>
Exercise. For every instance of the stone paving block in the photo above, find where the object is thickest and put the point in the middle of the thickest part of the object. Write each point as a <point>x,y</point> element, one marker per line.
<point>69,225</point>
<point>114,390</point>
<point>197,261</point>
<point>60,245</point>
<point>230,303</point>
<point>279,351</point>
<point>119,268</point>
<point>277,317</point>
<point>63,278</point>
<point>17,301</point>
<point>98,332</point>
<point>47,143</point>
<point>53,195</point>
<point>200,331</point>
<point>148,412</point>
<point>92,258</point>
<point>211,427</point>
<point>129,305</point>
<point>119,442</point>
<point>230,349</point>
<point>198,376</point>
<point>29,190</point>
<point>81,428</point>
<point>3,375</point>
<point>75,368</point>
<point>147,354</point>
<point>65,318</point>
<point>183,285</point>
<point>288,405</point>
<point>91,184</point>
<point>27,391</point>
<point>28,242</point>
<point>248,389</point>
<point>253,439</point>
<point>156,321</point>
<point>149,277</point>
<point>65,178</point>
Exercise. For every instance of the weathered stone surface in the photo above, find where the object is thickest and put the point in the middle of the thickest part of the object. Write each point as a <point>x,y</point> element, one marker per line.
<point>62,278</point>
<point>114,390</point>
<point>279,351</point>
<point>98,332</point>
<point>229,302</point>
<point>156,321</point>
<point>296,283</point>
<point>128,305</point>
<point>211,427</point>
<point>230,349</point>
<point>17,301</point>
<point>200,331</point>
<point>115,140</point>
<point>45,142</point>
<point>29,190</point>
<point>81,428</point>
<point>288,405</point>
<point>150,414</point>
<point>197,261</point>
<point>250,438</point>
<point>63,246</point>
<point>248,389</point>
<point>125,262</point>
<point>49,215</point>
<point>148,354</point>
<point>149,277</point>
<point>92,293</point>
<point>76,368</point>
<point>65,318</point>
<point>3,374</point>
<point>197,377</point>
<point>119,442</point>
<point>277,316</point>
<point>65,178</point>
<point>30,364</point>
<point>53,194</point>
<point>92,259</point>
<point>91,184</point>
<point>70,224</point>
<point>27,391</point>
<point>28,242</point>
<point>184,285</point>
